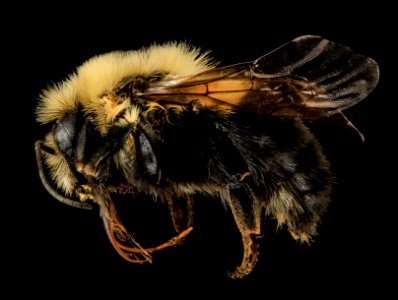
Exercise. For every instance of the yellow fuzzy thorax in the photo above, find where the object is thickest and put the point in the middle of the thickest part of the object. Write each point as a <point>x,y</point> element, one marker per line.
<point>89,86</point>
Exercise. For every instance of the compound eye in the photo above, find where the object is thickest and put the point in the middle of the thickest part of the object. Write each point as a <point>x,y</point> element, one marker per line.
<point>147,158</point>
<point>64,133</point>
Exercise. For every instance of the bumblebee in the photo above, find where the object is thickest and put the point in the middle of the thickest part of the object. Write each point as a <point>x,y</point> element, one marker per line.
<point>166,121</point>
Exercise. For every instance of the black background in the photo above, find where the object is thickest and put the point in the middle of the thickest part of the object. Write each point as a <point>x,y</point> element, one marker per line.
<point>52,245</point>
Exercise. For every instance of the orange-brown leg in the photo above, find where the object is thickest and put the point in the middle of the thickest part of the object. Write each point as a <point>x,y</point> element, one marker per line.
<point>123,242</point>
<point>119,237</point>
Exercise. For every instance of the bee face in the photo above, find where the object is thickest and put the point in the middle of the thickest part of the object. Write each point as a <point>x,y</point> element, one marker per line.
<point>166,122</point>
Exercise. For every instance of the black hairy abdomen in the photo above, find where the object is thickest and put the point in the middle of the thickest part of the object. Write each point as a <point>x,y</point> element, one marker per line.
<point>206,146</point>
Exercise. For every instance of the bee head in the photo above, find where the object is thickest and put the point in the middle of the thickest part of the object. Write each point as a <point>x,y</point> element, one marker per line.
<point>94,115</point>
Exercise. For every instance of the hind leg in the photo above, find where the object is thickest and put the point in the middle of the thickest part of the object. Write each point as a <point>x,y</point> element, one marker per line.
<point>246,211</point>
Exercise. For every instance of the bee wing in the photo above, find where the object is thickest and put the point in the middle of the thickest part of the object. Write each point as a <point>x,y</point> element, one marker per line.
<point>309,77</point>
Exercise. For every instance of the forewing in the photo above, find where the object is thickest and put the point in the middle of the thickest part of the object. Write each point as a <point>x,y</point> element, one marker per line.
<point>309,77</point>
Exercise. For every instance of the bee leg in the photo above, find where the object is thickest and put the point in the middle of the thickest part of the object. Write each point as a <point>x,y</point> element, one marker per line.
<point>174,241</point>
<point>181,211</point>
<point>119,237</point>
<point>123,241</point>
<point>246,211</point>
